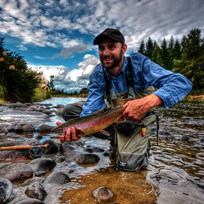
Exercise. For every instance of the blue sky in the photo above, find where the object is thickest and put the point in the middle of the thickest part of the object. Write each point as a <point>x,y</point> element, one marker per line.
<point>57,35</point>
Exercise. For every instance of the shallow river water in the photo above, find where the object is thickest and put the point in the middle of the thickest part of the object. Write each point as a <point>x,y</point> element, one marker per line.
<point>175,173</point>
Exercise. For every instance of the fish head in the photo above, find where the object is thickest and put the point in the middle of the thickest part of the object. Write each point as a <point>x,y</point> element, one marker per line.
<point>59,130</point>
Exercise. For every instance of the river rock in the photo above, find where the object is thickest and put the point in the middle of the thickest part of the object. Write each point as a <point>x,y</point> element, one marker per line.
<point>102,194</point>
<point>59,111</point>
<point>163,132</point>
<point>46,112</point>
<point>16,171</point>
<point>52,148</point>
<point>33,180</point>
<point>3,130</point>
<point>28,201</point>
<point>28,128</point>
<point>200,141</point>
<point>74,151</point>
<point>58,177</point>
<point>42,165</point>
<point>19,105</point>
<point>40,108</point>
<point>16,127</point>
<point>185,138</point>
<point>6,189</point>
<point>24,116</point>
<point>39,137</point>
<point>28,104</point>
<point>13,135</point>
<point>94,149</point>
<point>60,106</point>
<point>36,190</point>
<point>44,128</point>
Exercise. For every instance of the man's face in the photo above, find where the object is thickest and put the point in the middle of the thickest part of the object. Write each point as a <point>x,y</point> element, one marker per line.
<point>110,52</point>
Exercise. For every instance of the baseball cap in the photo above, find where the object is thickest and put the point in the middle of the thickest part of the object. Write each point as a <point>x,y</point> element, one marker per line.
<point>111,33</point>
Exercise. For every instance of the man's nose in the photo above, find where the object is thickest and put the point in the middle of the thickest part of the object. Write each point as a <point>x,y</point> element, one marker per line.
<point>106,51</point>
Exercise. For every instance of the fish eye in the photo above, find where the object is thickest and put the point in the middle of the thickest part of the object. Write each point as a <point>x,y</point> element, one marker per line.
<point>60,129</point>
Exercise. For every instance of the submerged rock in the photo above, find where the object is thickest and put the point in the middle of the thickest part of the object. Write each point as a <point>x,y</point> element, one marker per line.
<point>29,128</point>
<point>36,190</point>
<point>58,177</point>
<point>42,165</point>
<point>102,194</point>
<point>185,138</point>
<point>52,148</point>
<point>6,189</point>
<point>16,171</point>
<point>44,128</point>
<point>74,151</point>
<point>29,201</point>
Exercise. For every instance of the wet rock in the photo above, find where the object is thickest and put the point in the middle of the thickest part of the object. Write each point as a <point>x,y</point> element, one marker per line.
<point>94,149</point>
<point>47,112</point>
<point>102,194</point>
<point>74,151</point>
<point>42,165</point>
<point>163,132</point>
<point>19,105</point>
<point>40,109</point>
<point>59,111</point>
<point>24,116</point>
<point>6,189</point>
<point>10,105</point>
<point>60,106</point>
<point>16,171</point>
<point>38,137</point>
<point>52,148</point>
<point>154,128</point>
<point>185,138</point>
<point>200,140</point>
<point>44,128</point>
<point>33,180</point>
<point>28,128</point>
<point>60,159</point>
<point>12,197</point>
<point>28,104</point>
<point>3,130</point>
<point>58,177</point>
<point>51,115</point>
<point>16,127</point>
<point>201,185</point>
<point>13,135</point>
<point>29,201</point>
<point>36,190</point>
<point>107,153</point>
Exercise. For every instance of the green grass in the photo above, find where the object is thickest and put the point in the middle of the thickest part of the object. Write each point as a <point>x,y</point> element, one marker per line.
<point>41,94</point>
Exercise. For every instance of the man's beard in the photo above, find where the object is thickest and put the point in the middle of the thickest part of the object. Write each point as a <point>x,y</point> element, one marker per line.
<point>115,62</point>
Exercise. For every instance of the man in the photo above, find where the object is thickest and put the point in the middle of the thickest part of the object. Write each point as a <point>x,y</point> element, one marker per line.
<point>144,74</point>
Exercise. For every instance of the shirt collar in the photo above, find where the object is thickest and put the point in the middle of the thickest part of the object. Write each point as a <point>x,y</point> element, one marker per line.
<point>125,63</point>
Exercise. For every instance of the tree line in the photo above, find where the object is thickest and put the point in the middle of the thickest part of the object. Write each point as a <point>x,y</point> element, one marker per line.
<point>185,56</point>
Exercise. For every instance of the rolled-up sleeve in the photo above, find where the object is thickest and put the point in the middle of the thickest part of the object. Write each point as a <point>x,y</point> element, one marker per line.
<point>96,88</point>
<point>172,87</point>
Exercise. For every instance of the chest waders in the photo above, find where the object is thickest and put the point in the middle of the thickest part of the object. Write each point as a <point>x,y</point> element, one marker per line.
<point>131,140</point>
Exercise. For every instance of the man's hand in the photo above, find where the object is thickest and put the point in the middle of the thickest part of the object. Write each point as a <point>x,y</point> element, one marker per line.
<point>138,108</point>
<point>72,134</point>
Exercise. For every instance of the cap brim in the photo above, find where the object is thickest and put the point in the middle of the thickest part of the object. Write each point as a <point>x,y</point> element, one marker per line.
<point>99,37</point>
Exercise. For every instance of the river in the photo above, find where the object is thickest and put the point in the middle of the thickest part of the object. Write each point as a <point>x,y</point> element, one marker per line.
<point>175,173</point>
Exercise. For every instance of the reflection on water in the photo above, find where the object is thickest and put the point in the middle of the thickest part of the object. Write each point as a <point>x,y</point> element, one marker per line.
<point>175,173</point>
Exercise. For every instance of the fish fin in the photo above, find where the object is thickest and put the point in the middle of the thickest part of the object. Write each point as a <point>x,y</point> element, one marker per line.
<point>104,132</point>
<point>120,119</point>
<point>98,112</point>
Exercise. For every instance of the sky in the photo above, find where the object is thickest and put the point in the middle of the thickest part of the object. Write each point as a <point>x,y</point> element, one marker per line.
<point>56,36</point>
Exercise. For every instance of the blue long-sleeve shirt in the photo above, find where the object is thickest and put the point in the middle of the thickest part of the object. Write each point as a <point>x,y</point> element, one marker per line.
<point>172,87</point>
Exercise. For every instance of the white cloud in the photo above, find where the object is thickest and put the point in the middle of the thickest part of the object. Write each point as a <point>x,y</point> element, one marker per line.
<point>21,47</point>
<point>38,57</point>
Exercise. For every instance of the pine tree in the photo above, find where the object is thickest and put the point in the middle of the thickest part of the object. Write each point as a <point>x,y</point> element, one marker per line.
<point>142,48</point>
<point>191,63</point>
<point>156,53</point>
<point>164,54</point>
<point>177,50</point>
<point>149,48</point>
<point>170,55</point>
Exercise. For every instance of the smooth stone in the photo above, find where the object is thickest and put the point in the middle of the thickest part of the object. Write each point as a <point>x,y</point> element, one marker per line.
<point>6,189</point>
<point>28,128</point>
<point>51,115</point>
<point>102,194</point>
<point>60,159</point>
<point>163,132</point>
<point>52,148</point>
<point>74,151</point>
<point>44,128</point>
<point>94,149</point>
<point>59,111</point>
<point>185,138</point>
<point>18,104</point>
<point>13,135</point>
<point>47,112</point>
<point>16,171</point>
<point>200,140</point>
<point>154,128</point>
<point>24,116</point>
<point>36,190</point>
<point>42,165</point>
<point>38,137</point>
<point>17,155</point>
<point>33,180</point>
<point>28,104</point>
<point>60,106</point>
<point>10,105</point>
<point>41,109</point>
<point>3,130</point>
<point>16,127</point>
<point>58,177</point>
<point>29,201</point>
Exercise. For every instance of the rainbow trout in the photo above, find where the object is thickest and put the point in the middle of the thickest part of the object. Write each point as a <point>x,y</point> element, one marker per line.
<point>93,123</point>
